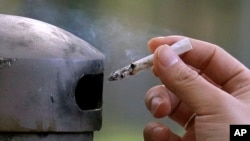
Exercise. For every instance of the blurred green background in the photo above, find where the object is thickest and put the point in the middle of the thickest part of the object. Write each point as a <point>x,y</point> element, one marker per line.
<point>121,28</point>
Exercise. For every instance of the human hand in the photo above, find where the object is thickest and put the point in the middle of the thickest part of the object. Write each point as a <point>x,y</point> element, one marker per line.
<point>206,82</point>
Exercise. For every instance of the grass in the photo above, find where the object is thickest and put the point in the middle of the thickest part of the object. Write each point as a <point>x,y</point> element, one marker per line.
<point>114,132</point>
<point>124,132</point>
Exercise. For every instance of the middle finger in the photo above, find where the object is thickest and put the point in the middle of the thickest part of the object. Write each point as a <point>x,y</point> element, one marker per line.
<point>161,102</point>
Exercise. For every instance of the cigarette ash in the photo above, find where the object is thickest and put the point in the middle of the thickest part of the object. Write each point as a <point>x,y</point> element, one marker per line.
<point>6,62</point>
<point>133,68</point>
<point>123,72</point>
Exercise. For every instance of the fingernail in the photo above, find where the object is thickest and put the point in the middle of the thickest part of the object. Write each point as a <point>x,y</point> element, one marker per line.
<point>156,38</point>
<point>156,101</point>
<point>166,56</point>
<point>156,132</point>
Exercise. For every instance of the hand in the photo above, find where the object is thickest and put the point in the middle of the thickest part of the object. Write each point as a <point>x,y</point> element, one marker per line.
<point>206,90</point>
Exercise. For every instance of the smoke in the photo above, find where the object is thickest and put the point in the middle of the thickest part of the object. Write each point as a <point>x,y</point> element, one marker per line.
<point>120,38</point>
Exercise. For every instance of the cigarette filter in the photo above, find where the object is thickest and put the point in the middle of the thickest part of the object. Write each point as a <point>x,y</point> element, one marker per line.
<point>179,47</point>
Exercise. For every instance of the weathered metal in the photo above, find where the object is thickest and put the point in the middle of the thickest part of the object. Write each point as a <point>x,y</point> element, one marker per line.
<point>50,83</point>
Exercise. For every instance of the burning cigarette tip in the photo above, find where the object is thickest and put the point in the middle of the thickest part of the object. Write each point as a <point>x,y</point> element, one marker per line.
<point>123,72</point>
<point>179,47</point>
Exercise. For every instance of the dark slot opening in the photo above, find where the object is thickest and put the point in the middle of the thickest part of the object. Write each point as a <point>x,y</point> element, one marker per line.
<point>88,92</point>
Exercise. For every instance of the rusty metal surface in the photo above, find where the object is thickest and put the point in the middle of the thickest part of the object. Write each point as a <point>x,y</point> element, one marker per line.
<point>40,66</point>
<point>6,62</point>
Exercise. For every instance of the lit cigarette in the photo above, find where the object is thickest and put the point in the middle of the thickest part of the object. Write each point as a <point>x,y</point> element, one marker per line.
<point>179,47</point>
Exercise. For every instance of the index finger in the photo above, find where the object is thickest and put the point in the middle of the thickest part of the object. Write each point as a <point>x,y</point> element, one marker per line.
<point>213,61</point>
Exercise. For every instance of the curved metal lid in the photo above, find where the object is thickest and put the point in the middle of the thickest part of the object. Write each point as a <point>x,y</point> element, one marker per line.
<point>22,37</point>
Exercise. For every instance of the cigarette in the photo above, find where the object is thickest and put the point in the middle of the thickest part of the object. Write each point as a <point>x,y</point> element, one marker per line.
<point>179,47</point>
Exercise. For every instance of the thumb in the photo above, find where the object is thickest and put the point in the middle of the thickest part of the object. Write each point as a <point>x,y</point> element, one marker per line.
<point>185,83</point>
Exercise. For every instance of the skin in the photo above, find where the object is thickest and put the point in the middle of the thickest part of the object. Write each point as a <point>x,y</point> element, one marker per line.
<point>207,81</point>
